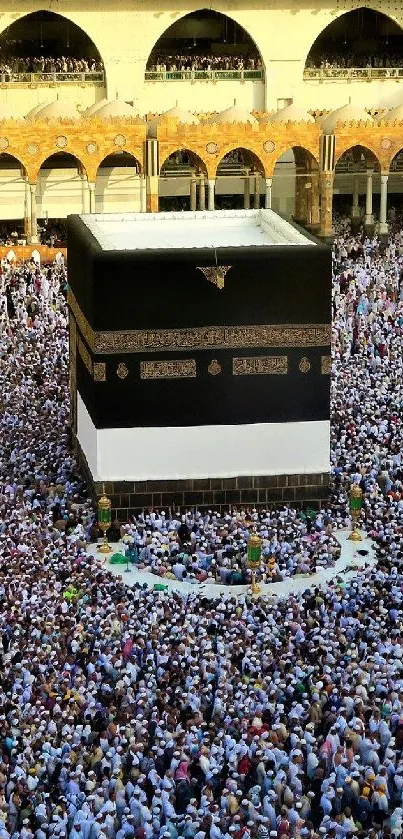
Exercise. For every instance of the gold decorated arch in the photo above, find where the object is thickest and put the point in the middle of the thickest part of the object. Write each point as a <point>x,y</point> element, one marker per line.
<point>89,141</point>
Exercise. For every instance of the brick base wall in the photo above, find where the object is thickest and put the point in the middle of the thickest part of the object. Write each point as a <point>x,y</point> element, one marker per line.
<point>129,497</point>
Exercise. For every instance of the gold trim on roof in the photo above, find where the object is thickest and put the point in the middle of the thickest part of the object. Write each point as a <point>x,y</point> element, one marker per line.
<point>200,337</point>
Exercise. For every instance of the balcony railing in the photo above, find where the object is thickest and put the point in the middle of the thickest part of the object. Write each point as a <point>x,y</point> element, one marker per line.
<point>203,75</point>
<point>349,74</point>
<point>24,79</point>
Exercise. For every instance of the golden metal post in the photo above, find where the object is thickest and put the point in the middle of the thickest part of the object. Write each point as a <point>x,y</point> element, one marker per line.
<point>355,510</point>
<point>254,549</point>
<point>104,521</point>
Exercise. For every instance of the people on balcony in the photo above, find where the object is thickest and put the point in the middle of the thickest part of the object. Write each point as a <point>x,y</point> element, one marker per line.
<point>183,62</point>
<point>12,64</point>
<point>339,61</point>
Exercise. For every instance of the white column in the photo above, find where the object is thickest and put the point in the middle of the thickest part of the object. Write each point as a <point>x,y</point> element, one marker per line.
<point>34,226</point>
<point>202,192</point>
<point>85,194</point>
<point>27,211</point>
<point>369,219</point>
<point>246,190</point>
<point>193,187</point>
<point>355,210</point>
<point>211,190</point>
<point>383,226</point>
<point>267,202</point>
<point>256,195</point>
<point>91,188</point>
<point>143,194</point>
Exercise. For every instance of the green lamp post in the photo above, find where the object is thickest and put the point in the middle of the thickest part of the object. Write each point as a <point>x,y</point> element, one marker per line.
<point>355,510</point>
<point>254,549</point>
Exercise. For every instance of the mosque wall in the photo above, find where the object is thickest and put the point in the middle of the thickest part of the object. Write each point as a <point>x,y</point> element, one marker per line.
<point>125,33</point>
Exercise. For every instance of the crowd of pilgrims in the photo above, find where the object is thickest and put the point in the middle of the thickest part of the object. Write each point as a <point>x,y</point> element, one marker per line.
<point>186,62</point>
<point>10,64</point>
<point>333,60</point>
<point>156,715</point>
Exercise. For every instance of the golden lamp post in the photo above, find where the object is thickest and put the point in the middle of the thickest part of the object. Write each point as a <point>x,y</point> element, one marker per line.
<point>104,521</point>
<point>355,510</point>
<point>254,549</point>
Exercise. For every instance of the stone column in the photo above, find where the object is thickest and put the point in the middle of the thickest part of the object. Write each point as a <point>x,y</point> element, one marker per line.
<point>34,225</point>
<point>211,191</point>
<point>301,198</point>
<point>315,210</point>
<point>267,201</point>
<point>193,188</point>
<point>355,210</point>
<point>91,187</point>
<point>256,194</point>
<point>326,204</point>
<point>152,194</point>
<point>383,225</point>
<point>143,194</point>
<point>85,194</point>
<point>27,211</point>
<point>202,192</point>
<point>246,191</point>
<point>369,218</point>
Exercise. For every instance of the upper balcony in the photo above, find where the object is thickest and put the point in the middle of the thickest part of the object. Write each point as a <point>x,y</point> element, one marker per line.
<point>13,80</point>
<point>362,49</point>
<point>205,57</point>
<point>43,51</point>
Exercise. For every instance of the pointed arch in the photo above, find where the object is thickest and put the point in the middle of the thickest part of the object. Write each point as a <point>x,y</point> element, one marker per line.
<point>358,154</point>
<point>183,159</point>
<point>204,32</point>
<point>12,187</point>
<point>59,189</point>
<point>239,156</point>
<point>356,37</point>
<point>118,183</point>
<point>48,34</point>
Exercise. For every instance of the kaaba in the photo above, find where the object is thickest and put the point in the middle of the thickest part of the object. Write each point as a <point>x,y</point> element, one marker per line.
<point>200,358</point>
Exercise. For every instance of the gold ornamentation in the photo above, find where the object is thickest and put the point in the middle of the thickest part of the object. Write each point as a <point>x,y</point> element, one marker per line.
<point>120,140</point>
<point>185,369</point>
<point>214,367</point>
<point>61,141</point>
<point>386,143</point>
<point>216,274</point>
<point>32,148</point>
<point>212,337</point>
<point>72,371</point>
<point>304,365</point>
<point>122,370</point>
<point>83,325</point>
<point>91,148</point>
<point>265,365</point>
<point>211,148</point>
<point>200,337</point>
<point>326,365</point>
<point>84,355</point>
<point>99,371</point>
<point>4,143</point>
<point>269,146</point>
<point>72,337</point>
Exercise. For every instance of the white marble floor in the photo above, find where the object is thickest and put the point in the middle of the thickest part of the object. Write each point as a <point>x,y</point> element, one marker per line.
<point>345,567</point>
